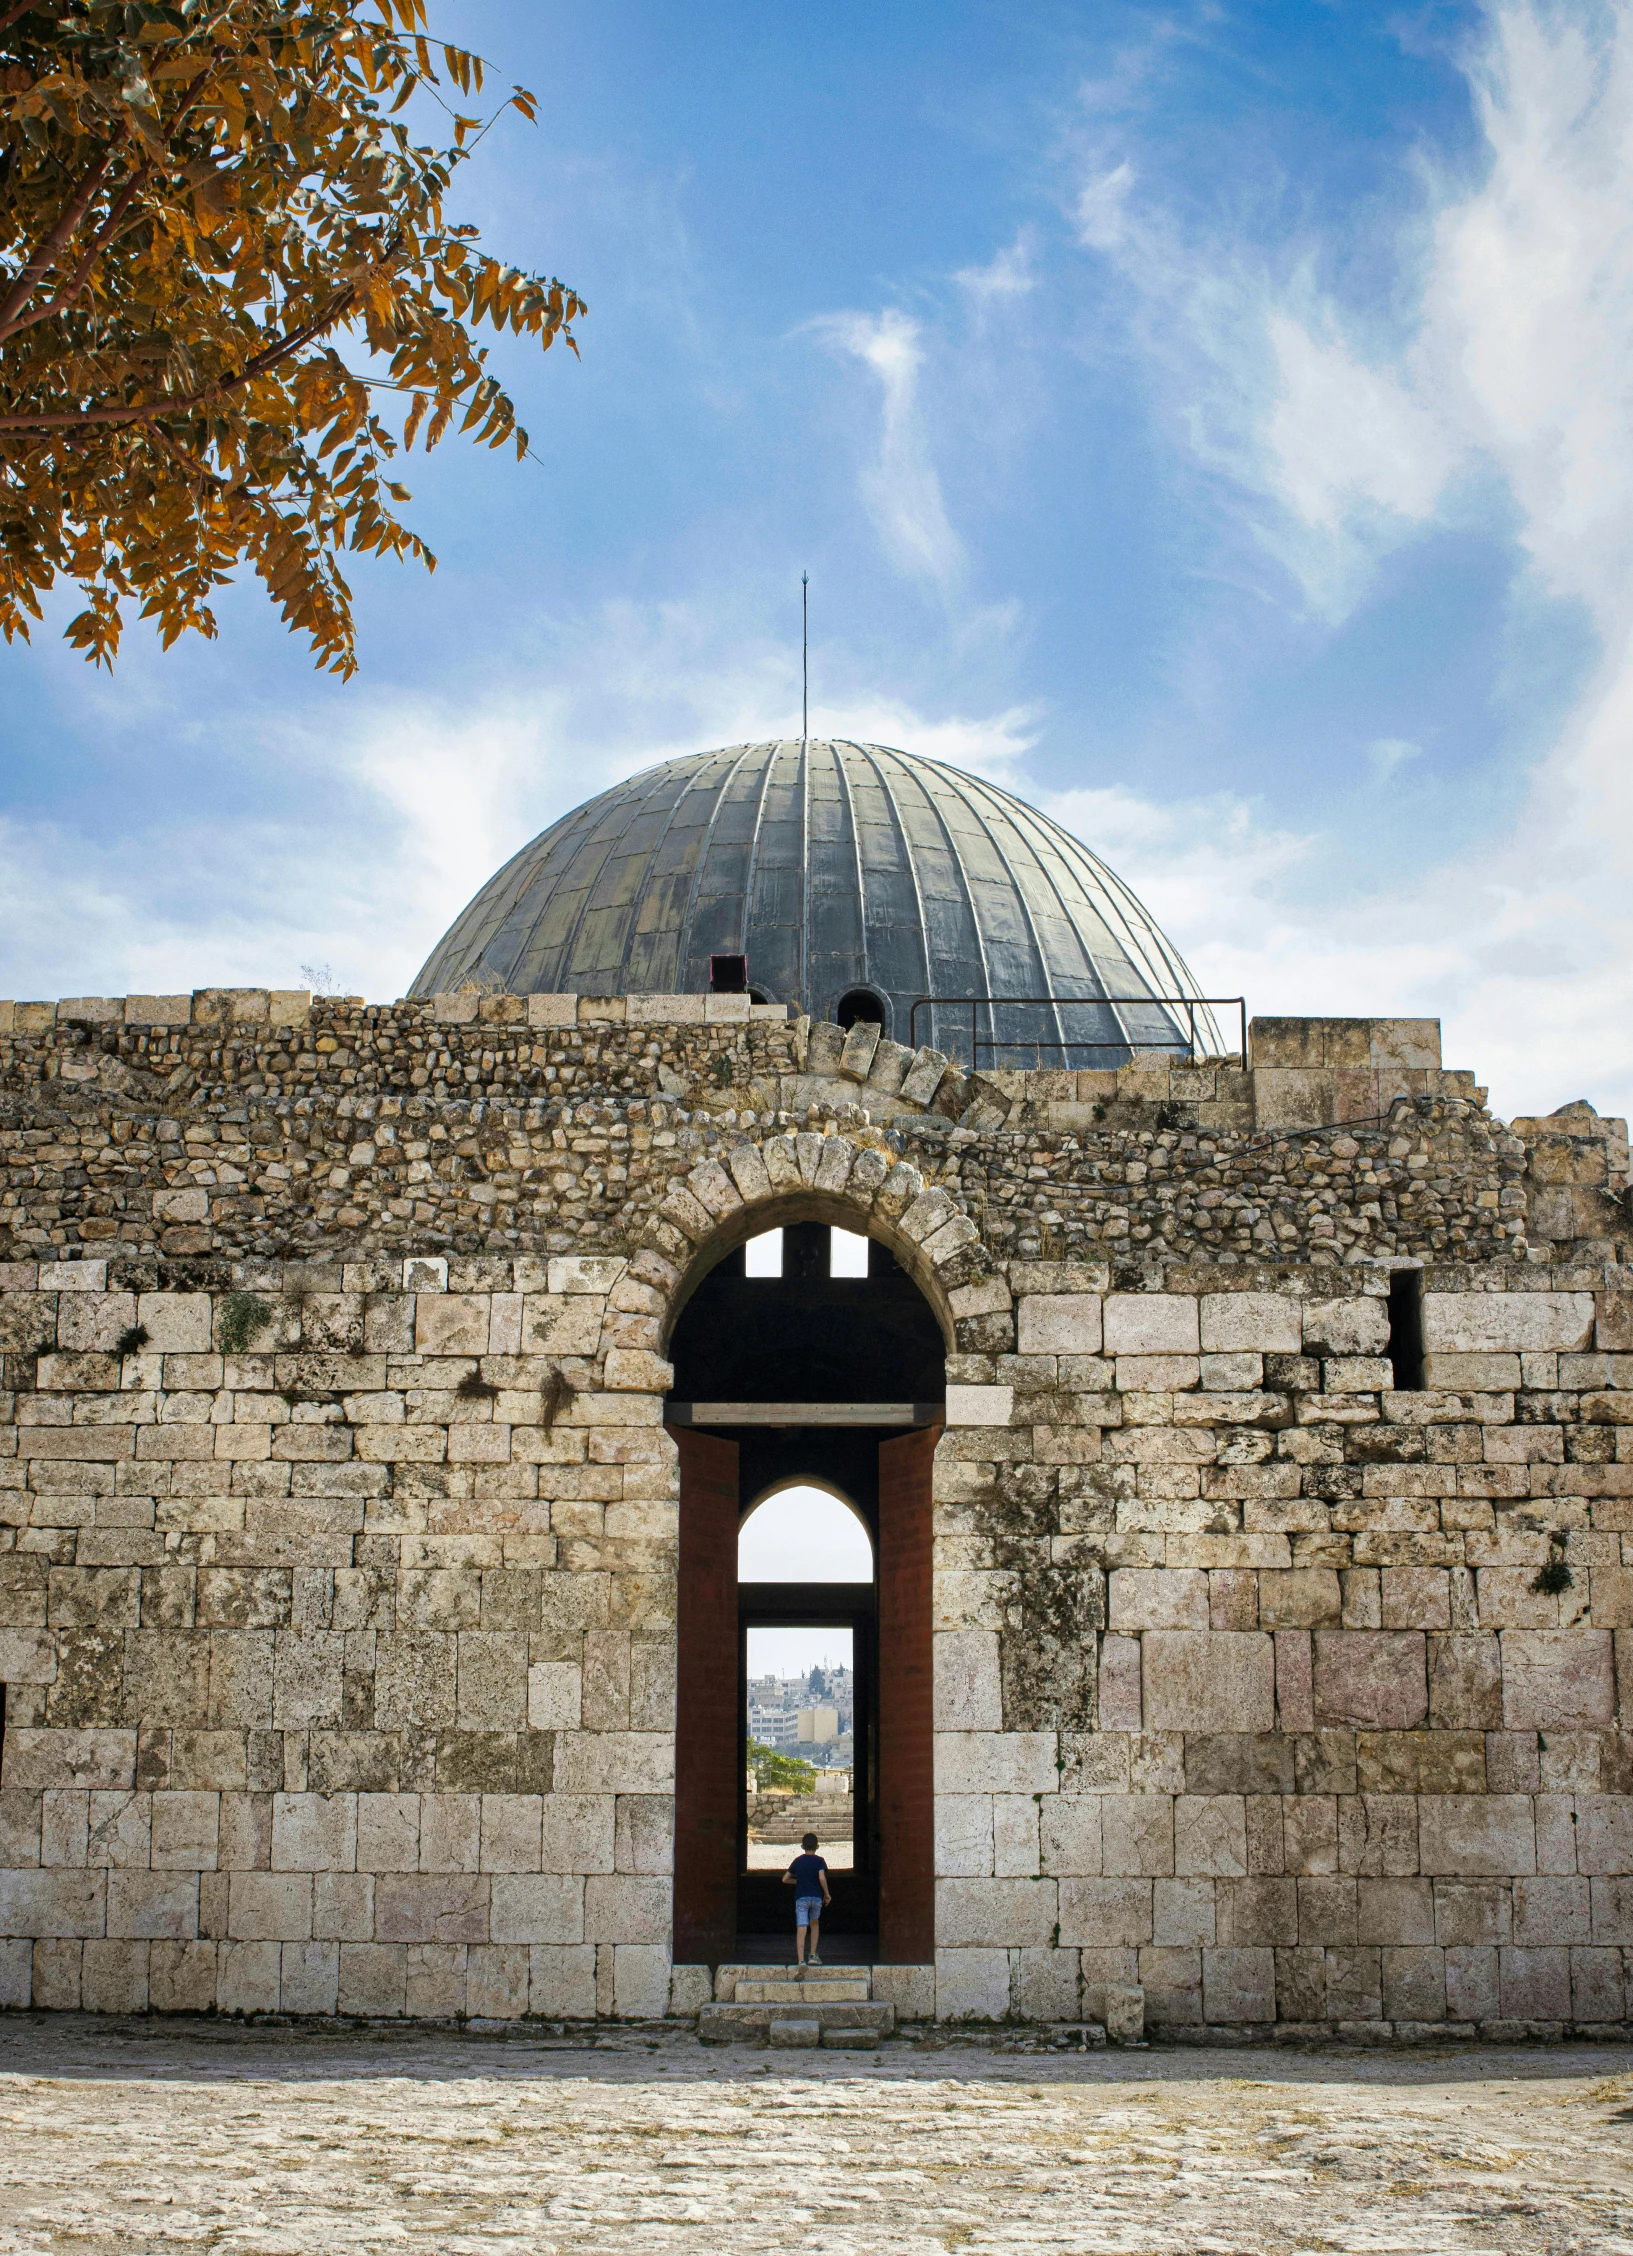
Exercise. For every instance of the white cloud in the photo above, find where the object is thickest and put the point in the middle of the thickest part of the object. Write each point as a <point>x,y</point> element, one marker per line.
<point>901,489</point>
<point>1343,439</point>
<point>1102,208</point>
<point>1011,274</point>
<point>1508,353</point>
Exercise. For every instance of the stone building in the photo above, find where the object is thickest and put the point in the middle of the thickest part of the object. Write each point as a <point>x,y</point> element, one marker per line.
<point>1246,1441</point>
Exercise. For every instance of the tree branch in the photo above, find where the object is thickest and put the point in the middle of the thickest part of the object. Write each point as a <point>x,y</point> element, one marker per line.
<point>260,365</point>
<point>14,15</point>
<point>76,282</point>
<point>61,235</point>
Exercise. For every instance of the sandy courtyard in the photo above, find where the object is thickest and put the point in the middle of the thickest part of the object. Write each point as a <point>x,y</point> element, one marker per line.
<point>130,2138</point>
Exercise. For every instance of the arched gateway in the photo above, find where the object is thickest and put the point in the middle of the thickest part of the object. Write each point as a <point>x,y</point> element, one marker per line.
<point>1242,1441</point>
<point>807,1375</point>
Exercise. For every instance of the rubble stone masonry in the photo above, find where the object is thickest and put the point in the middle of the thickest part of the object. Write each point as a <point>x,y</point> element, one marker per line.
<point>338,1514</point>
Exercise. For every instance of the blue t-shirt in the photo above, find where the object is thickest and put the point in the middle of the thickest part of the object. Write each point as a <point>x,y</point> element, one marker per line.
<point>808,1871</point>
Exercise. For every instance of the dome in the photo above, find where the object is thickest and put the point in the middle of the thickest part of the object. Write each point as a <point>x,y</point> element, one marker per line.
<point>855,879</point>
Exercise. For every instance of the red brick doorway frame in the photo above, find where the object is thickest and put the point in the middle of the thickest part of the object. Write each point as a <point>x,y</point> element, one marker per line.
<point>708,1756</point>
<point>907,1798</point>
<point>708,1752</point>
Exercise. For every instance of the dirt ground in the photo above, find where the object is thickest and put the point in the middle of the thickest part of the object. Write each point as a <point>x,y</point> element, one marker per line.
<point>137,2137</point>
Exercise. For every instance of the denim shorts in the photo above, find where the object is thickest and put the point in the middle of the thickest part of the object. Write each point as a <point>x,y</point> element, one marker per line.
<point>807,1910</point>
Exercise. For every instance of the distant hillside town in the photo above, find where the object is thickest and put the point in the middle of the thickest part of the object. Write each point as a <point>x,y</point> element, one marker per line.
<point>811,1715</point>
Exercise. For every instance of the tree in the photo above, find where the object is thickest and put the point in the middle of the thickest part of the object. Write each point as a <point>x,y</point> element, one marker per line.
<point>773,1769</point>
<point>197,199</point>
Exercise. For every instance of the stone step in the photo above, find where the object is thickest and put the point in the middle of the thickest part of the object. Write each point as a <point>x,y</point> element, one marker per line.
<point>811,1992</point>
<point>845,2024</point>
<point>728,1977</point>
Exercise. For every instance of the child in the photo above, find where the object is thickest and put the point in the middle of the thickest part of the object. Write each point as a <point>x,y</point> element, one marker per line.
<point>807,1875</point>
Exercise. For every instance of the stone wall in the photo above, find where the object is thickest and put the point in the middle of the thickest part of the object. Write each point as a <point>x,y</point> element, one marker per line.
<point>245,1123</point>
<point>338,1643</point>
<point>1292,1697</point>
<point>337,1515</point>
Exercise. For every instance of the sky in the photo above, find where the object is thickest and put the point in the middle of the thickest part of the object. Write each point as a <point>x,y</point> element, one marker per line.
<point>1211,422</point>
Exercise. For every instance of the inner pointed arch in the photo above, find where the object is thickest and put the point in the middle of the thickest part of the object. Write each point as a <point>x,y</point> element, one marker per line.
<point>804,1531</point>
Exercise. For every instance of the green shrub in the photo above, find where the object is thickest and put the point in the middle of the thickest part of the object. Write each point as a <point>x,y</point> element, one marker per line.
<point>773,1769</point>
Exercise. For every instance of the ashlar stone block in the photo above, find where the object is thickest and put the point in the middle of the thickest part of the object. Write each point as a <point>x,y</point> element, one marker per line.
<point>626,1908</point>
<point>1070,1834</point>
<point>972,1984</point>
<point>562,1980</point>
<point>1153,1324</point>
<point>1239,1985</point>
<point>149,1904</point>
<point>968,1690</point>
<point>417,1907</point>
<point>1254,1322</point>
<point>579,1832</point>
<point>1137,1834</point>
<point>1604,1834</point>
<point>996,1913</point>
<point>450,1832</point>
<point>448,1323</point>
<point>1558,1680</point>
<point>373,1979</point>
<point>497,1981</point>
<point>248,1977</point>
<point>993,1762</point>
<point>963,1836</point>
<point>1484,1323</point>
<point>1210,1835</point>
<point>1182,1916</point>
<point>1058,1324</point>
<point>1374,1679</point>
<point>1143,1598</point>
<point>1490,1834</point>
<point>388,1832</point>
<point>314,1832</point>
<point>1208,1680</point>
<point>309,1977</point>
<point>1105,1913</point>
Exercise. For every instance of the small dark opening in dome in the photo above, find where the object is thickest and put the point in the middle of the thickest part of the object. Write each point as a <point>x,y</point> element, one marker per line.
<point>861,1004</point>
<point>728,975</point>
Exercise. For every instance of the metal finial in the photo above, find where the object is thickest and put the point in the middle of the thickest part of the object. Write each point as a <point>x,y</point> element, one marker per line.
<point>805,659</point>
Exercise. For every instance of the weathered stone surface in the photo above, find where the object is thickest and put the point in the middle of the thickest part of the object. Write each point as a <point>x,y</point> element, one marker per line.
<point>1151,1324</point>
<point>1485,1322</point>
<point>1058,1324</point>
<point>1208,1681</point>
<point>1557,1680</point>
<point>1376,1679</point>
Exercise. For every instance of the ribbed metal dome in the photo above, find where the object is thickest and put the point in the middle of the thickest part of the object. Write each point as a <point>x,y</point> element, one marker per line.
<point>835,867</point>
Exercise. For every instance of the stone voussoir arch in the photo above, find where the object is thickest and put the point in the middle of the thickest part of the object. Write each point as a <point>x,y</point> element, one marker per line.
<point>806,1176</point>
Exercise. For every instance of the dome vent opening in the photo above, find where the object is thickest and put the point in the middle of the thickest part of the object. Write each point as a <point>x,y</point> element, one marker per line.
<point>862,1006</point>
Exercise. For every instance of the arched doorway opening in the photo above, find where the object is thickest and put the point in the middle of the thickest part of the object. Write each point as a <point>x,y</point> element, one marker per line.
<point>807,1611</point>
<point>805,1371</point>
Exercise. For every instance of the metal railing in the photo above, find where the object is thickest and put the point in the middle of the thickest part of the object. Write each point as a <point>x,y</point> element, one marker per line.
<point>1115,1046</point>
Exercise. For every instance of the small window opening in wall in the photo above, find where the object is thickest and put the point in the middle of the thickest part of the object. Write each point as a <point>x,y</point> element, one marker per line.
<point>1406,1328</point>
<point>860,1004</point>
<point>762,1256</point>
<point>848,1254</point>
<point>728,975</point>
